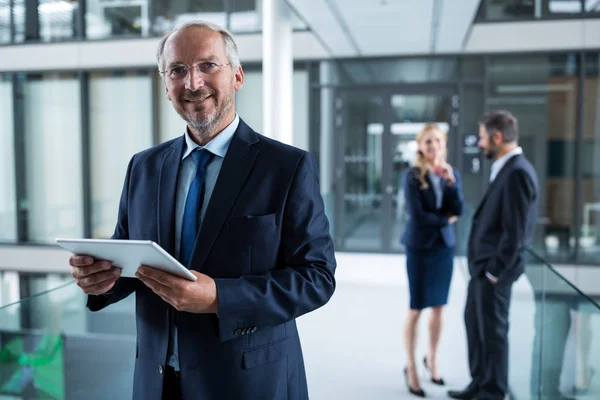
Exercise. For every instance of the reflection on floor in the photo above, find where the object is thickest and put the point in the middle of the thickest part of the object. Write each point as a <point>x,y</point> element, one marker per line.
<point>354,348</point>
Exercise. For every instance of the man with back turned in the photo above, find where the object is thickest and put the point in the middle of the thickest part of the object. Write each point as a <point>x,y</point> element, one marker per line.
<point>502,227</point>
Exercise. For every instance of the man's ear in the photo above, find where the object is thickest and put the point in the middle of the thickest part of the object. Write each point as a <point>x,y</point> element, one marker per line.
<point>497,138</point>
<point>238,78</point>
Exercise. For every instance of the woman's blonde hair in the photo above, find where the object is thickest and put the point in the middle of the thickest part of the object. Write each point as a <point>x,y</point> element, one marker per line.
<point>420,161</point>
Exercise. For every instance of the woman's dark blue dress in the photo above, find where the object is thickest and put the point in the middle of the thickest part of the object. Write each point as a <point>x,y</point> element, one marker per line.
<point>429,238</point>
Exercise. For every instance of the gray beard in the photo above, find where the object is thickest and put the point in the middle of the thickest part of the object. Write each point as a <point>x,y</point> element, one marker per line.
<point>204,127</point>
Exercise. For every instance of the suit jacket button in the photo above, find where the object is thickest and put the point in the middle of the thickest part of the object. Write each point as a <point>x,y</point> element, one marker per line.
<point>160,369</point>
<point>254,329</point>
<point>245,331</point>
<point>237,332</point>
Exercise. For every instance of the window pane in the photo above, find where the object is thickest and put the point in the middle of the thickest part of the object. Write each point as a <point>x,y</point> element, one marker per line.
<point>592,6</point>
<point>116,18</point>
<point>541,91</point>
<point>590,162</point>
<point>53,156</point>
<point>120,126</point>
<point>172,13</point>
<point>563,7</point>
<point>8,209</point>
<point>4,21</point>
<point>58,19</point>
<point>415,70</point>
<point>246,16</point>
<point>509,9</point>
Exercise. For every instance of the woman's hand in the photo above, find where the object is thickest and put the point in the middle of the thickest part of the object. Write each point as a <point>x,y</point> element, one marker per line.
<point>445,171</point>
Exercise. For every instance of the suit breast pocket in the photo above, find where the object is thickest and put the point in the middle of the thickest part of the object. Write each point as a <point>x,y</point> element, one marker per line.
<point>258,236</point>
<point>251,223</point>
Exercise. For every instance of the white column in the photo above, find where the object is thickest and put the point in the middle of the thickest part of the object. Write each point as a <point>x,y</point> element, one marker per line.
<point>277,70</point>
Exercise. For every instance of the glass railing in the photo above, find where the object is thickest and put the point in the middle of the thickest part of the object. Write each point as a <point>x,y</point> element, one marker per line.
<point>553,354</point>
<point>52,347</point>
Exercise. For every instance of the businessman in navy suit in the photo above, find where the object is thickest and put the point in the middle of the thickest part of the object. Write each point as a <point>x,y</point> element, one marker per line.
<point>245,214</point>
<point>503,226</point>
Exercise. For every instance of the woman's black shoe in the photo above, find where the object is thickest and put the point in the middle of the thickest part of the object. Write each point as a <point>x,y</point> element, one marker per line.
<point>436,381</point>
<point>416,392</point>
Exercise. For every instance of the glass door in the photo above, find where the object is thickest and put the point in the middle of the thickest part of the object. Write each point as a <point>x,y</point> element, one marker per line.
<point>375,144</point>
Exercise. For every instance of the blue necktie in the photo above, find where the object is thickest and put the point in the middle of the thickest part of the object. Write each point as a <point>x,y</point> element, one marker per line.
<point>193,204</point>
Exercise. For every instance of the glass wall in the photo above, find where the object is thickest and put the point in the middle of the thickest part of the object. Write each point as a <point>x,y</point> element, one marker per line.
<point>590,162</point>
<point>508,10</point>
<point>8,209</point>
<point>541,91</point>
<point>59,20</point>
<point>120,126</point>
<point>52,126</point>
<point>116,18</point>
<point>5,21</point>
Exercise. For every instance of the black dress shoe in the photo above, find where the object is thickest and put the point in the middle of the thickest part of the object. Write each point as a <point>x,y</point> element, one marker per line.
<point>439,381</point>
<point>416,392</point>
<point>466,394</point>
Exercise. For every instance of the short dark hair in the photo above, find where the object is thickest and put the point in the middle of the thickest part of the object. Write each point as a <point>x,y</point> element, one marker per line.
<point>502,121</point>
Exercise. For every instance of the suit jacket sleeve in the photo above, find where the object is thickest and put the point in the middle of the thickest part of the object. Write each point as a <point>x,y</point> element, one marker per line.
<point>415,207</point>
<point>124,286</point>
<point>305,279</point>
<point>453,197</point>
<point>519,197</point>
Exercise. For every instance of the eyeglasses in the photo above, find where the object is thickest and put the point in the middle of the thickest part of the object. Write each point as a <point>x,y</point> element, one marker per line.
<point>178,72</point>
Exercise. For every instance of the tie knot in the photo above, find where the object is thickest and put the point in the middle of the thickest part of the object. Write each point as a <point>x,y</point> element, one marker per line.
<point>202,157</point>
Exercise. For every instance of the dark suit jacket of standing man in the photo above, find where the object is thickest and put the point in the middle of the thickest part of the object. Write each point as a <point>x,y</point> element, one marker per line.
<point>264,239</point>
<point>504,222</point>
<point>503,226</point>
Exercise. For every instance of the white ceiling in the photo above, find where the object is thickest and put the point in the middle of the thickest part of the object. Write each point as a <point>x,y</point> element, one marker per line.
<point>354,28</point>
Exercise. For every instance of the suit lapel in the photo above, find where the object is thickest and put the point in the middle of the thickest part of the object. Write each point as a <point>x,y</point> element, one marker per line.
<point>167,192</point>
<point>234,171</point>
<point>495,183</point>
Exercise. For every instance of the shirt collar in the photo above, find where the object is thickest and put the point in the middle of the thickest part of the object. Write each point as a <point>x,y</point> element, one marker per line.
<point>501,162</point>
<point>218,145</point>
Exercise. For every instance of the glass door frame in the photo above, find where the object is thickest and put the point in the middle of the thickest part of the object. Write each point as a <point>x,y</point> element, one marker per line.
<point>340,123</point>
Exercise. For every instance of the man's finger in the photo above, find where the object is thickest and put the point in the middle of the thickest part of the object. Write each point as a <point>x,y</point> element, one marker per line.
<point>100,288</point>
<point>99,277</point>
<point>80,260</point>
<point>98,266</point>
<point>162,278</point>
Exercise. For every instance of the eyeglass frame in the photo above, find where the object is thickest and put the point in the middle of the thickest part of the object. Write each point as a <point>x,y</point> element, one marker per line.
<point>197,67</point>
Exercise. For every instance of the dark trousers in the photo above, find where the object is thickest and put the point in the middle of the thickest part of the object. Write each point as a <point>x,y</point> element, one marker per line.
<point>486,320</point>
<point>171,385</point>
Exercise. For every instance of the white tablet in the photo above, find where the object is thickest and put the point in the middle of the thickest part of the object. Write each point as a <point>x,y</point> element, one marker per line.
<point>127,255</point>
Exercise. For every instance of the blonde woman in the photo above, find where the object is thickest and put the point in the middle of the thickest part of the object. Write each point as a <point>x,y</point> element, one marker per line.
<point>434,200</point>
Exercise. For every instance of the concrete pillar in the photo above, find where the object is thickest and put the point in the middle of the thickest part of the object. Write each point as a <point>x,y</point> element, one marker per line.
<point>278,68</point>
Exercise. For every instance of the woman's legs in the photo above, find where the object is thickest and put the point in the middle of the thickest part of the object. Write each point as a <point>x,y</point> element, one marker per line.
<point>410,341</point>
<point>435,329</point>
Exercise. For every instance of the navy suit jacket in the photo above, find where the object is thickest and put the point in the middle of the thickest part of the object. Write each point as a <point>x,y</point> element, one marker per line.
<point>504,222</point>
<point>264,239</point>
<point>426,224</point>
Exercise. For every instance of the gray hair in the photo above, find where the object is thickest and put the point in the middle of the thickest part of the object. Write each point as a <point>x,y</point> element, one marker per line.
<point>230,47</point>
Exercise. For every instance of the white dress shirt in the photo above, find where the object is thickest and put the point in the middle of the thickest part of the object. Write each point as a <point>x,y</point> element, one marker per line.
<point>501,162</point>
